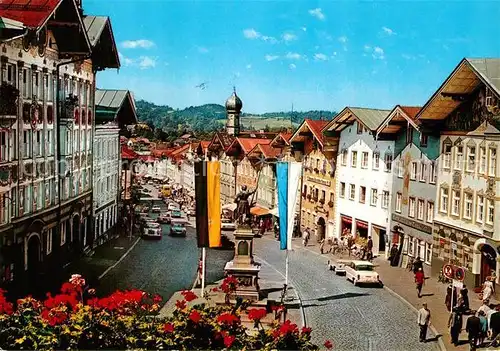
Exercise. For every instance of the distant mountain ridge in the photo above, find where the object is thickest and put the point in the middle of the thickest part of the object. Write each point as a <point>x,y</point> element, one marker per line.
<point>210,117</point>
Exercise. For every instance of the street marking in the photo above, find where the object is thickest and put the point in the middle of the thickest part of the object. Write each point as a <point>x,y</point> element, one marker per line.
<point>118,262</point>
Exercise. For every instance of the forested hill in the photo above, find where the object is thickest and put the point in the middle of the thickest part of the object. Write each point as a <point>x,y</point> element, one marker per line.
<point>211,117</point>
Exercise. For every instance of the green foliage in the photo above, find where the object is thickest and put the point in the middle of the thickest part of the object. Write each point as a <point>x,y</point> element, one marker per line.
<point>169,123</point>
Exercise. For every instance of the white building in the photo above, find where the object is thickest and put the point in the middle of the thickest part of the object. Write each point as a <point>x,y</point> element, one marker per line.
<point>364,175</point>
<point>114,110</point>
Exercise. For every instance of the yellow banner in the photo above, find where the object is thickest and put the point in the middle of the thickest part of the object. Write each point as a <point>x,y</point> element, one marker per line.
<point>214,209</point>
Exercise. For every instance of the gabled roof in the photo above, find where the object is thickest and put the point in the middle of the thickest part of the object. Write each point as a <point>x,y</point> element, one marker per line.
<point>34,14</point>
<point>128,154</point>
<point>370,118</point>
<point>112,104</point>
<point>314,126</point>
<point>464,80</point>
<point>180,150</point>
<point>221,138</point>
<point>247,144</point>
<point>100,33</point>
<point>398,118</point>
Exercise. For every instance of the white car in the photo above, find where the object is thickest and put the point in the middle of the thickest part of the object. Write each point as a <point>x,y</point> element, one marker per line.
<point>152,233</point>
<point>227,224</point>
<point>156,209</point>
<point>361,272</point>
<point>338,266</point>
<point>172,206</point>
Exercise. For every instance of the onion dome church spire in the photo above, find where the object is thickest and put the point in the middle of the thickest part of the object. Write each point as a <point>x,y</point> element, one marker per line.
<point>233,110</point>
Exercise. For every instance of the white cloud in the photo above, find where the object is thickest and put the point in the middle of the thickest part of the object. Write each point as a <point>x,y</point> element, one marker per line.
<point>251,34</point>
<point>146,62</point>
<point>293,56</point>
<point>318,13</point>
<point>378,53</point>
<point>320,57</point>
<point>202,50</point>
<point>125,60</point>
<point>304,29</point>
<point>249,66</point>
<point>368,48</point>
<point>343,39</point>
<point>141,43</point>
<point>292,66</point>
<point>289,37</point>
<point>388,31</point>
<point>334,54</point>
<point>271,57</point>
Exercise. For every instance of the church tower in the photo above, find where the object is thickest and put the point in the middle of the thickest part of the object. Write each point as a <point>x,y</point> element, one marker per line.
<point>233,110</point>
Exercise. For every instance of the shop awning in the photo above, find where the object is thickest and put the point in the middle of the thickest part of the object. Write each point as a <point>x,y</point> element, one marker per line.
<point>274,212</point>
<point>360,224</point>
<point>259,211</point>
<point>346,219</point>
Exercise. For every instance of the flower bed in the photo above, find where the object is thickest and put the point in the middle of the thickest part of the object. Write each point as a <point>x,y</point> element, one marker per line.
<point>76,319</point>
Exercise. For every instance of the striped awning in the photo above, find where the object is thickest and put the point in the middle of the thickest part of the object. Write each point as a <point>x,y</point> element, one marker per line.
<point>259,211</point>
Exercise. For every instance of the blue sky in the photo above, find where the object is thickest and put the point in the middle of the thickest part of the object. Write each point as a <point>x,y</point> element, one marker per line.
<point>314,54</point>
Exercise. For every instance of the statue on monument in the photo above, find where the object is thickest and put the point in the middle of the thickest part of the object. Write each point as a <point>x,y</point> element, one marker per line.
<point>242,214</point>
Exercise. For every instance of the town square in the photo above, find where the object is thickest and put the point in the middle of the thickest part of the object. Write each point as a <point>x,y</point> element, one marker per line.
<point>249,175</point>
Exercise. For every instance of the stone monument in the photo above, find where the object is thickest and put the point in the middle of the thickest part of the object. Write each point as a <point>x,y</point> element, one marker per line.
<point>243,266</point>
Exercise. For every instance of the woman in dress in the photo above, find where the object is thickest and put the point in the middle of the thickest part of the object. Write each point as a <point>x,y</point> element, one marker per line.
<point>487,289</point>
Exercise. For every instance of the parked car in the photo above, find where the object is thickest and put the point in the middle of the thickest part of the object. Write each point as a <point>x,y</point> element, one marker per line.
<point>152,233</point>
<point>227,224</point>
<point>362,272</point>
<point>338,266</point>
<point>164,218</point>
<point>151,223</point>
<point>177,229</point>
<point>156,209</point>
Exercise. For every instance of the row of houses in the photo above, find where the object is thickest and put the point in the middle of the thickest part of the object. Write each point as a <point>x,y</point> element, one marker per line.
<point>423,178</point>
<point>59,139</point>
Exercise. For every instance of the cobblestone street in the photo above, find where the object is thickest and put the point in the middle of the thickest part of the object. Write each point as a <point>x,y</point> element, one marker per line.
<point>353,318</point>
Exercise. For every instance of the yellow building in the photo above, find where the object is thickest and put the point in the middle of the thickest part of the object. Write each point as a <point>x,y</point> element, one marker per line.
<point>317,201</point>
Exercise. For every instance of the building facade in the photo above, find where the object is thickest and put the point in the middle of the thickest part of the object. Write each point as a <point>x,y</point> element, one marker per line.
<point>47,89</point>
<point>364,175</point>
<point>115,109</point>
<point>317,200</point>
<point>413,184</point>
<point>466,109</point>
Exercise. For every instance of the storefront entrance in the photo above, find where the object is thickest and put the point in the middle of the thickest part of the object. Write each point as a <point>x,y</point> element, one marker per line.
<point>320,231</point>
<point>488,261</point>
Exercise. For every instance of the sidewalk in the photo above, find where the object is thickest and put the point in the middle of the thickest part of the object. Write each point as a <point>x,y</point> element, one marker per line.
<point>400,283</point>
<point>271,285</point>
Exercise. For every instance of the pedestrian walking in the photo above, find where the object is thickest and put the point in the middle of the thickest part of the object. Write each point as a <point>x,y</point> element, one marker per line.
<point>473,328</point>
<point>483,332</point>
<point>369,246</point>
<point>419,281</point>
<point>417,264</point>
<point>199,272</point>
<point>487,289</point>
<point>455,323</point>
<point>305,238</point>
<point>321,245</point>
<point>465,298</point>
<point>423,320</point>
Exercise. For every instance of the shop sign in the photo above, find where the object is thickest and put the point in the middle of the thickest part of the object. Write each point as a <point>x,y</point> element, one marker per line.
<point>319,181</point>
<point>411,223</point>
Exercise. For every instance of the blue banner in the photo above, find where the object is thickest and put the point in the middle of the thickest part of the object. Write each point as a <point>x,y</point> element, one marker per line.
<point>282,184</point>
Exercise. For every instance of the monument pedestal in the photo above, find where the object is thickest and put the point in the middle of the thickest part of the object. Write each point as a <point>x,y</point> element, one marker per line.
<point>243,266</point>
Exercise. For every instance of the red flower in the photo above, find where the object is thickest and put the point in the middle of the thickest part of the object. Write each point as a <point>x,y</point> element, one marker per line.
<point>195,316</point>
<point>306,330</point>
<point>288,328</point>
<point>216,289</point>
<point>168,328</point>
<point>189,295</point>
<point>180,304</point>
<point>255,314</point>
<point>157,298</point>
<point>227,318</point>
<point>328,344</point>
<point>229,340</point>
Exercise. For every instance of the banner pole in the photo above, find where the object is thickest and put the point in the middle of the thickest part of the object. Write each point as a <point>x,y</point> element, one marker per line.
<point>203,265</point>
<point>286,268</point>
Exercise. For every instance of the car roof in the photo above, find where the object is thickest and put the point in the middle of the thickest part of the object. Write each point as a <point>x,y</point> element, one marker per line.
<point>364,263</point>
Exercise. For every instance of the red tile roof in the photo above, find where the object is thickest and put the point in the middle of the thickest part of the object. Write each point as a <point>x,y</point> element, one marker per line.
<point>33,13</point>
<point>128,154</point>
<point>411,111</point>
<point>269,151</point>
<point>204,144</point>
<point>316,126</point>
<point>247,144</point>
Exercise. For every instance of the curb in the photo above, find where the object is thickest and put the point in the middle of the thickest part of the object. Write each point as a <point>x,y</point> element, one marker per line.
<point>119,260</point>
<point>441,345</point>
